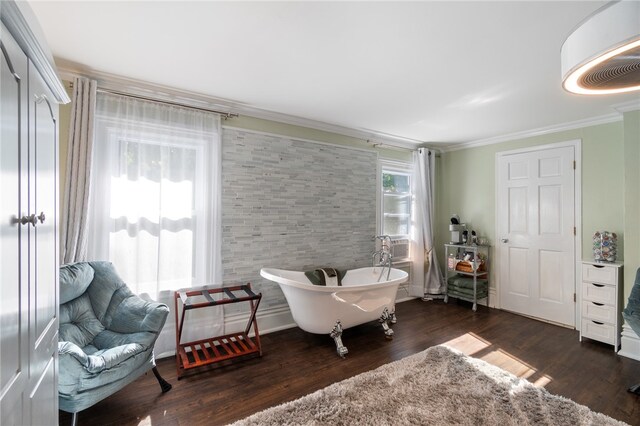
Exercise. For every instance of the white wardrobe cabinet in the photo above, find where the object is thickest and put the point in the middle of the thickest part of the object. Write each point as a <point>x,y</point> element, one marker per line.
<point>28,224</point>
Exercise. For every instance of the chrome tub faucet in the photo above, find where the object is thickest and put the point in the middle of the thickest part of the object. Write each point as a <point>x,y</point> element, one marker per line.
<point>384,255</point>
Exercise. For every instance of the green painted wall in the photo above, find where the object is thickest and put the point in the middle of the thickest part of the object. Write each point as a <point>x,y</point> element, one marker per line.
<point>632,198</point>
<point>466,178</point>
<point>267,126</point>
<point>467,186</point>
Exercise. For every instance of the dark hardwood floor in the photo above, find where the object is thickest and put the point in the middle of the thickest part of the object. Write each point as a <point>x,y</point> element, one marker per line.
<point>296,363</point>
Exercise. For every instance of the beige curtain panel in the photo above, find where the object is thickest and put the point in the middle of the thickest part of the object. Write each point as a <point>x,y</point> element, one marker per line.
<point>73,237</point>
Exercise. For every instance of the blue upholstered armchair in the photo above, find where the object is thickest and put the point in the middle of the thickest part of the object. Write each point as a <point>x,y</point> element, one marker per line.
<point>107,335</point>
<point>631,315</point>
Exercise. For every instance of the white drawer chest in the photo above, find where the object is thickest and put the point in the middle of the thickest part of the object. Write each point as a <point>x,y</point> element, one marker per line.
<point>601,302</point>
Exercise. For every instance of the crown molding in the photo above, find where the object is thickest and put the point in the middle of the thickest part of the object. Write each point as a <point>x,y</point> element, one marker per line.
<point>136,87</point>
<point>628,106</point>
<point>294,138</point>
<point>68,71</point>
<point>24,27</point>
<point>373,137</point>
<point>594,121</point>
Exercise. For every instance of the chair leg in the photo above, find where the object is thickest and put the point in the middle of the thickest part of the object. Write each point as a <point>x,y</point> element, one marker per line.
<point>635,389</point>
<point>164,385</point>
<point>74,419</point>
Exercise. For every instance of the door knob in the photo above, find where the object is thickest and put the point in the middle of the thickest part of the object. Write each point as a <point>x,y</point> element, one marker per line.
<point>41,217</point>
<point>505,240</point>
<point>24,220</point>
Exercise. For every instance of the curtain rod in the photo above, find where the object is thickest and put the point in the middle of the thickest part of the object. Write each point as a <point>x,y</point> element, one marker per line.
<point>430,151</point>
<point>225,115</point>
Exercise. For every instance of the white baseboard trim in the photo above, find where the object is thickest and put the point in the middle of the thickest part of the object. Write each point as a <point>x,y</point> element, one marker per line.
<point>630,343</point>
<point>493,297</point>
<point>269,321</point>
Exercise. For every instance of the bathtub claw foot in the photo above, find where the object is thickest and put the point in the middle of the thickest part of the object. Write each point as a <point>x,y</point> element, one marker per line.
<point>336,335</point>
<point>388,332</point>
<point>385,318</point>
<point>342,351</point>
<point>393,318</point>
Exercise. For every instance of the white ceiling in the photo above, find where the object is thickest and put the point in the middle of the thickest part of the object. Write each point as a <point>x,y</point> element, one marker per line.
<point>438,72</point>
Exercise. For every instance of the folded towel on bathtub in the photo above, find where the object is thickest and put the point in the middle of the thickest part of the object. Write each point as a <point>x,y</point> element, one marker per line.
<point>325,276</point>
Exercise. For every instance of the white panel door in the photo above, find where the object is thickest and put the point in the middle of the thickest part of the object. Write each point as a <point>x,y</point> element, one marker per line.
<point>43,282</point>
<point>14,291</point>
<point>536,228</point>
<point>28,233</point>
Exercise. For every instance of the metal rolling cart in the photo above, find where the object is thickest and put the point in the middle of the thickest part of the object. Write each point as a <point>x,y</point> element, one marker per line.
<point>467,273</point>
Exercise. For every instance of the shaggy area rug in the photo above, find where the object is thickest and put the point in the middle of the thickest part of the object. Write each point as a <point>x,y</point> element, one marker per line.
<point>439,386</point>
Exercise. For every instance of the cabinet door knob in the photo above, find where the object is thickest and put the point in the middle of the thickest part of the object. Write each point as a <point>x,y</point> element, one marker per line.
<point>505,240</point>
<point>26,219</point>
<point>41,217</point>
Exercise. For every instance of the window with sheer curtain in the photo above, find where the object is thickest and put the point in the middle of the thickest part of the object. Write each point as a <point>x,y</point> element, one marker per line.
<point>155,203</point>
<point>396,206</point>
<point>396,202</point>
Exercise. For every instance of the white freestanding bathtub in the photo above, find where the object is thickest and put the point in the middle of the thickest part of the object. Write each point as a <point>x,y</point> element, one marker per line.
<point>329,310</point>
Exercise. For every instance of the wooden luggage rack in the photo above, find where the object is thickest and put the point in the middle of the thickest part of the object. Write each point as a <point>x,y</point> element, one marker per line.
<point>219,348</point>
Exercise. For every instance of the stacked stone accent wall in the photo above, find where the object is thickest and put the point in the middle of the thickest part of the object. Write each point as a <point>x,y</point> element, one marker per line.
<point>293,204</point>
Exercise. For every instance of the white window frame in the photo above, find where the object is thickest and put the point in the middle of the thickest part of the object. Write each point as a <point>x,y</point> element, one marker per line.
<point>146,135</point>
<point>402,168</point>
<point>108,154</point>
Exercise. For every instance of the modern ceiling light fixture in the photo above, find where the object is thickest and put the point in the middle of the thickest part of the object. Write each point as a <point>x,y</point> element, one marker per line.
<point>602,55</point>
